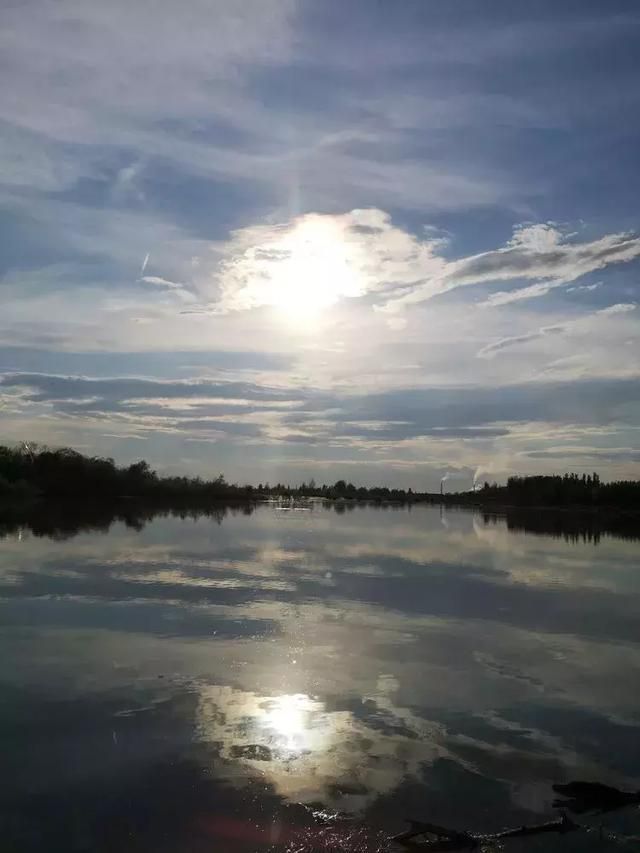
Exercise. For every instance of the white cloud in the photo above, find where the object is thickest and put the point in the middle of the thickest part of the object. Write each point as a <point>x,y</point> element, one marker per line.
<point>177,84</point>
<point>586,324</point>
<point>99,62</point>
<point>538,238</point>
<point>324,258</point>
<point>536,252</point>
<point>161,282</point>
<point>490,350</point>
<point>619,308</point>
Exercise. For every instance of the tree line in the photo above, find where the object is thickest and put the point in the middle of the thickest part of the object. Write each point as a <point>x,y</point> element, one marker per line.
<point>29,471</point>
<point>341,489</point>
<point>32,472</point>
<point>566,490</point>
<point>559,490</point>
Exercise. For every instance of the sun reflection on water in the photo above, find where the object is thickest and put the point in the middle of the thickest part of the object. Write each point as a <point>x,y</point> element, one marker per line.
<point>312,752</point>
<point>292,723</point>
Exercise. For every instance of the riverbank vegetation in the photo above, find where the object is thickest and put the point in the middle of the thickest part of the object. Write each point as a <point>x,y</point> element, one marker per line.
<point>32,473</point>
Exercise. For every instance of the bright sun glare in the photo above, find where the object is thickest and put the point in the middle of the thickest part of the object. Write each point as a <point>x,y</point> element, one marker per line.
<point>288,719</point>
<point>317,268</point>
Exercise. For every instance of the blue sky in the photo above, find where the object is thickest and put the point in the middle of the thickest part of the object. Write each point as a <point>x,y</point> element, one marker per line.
<point>289,238</point>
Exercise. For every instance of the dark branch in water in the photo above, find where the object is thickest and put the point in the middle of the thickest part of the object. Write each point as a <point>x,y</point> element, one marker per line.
<point>582,797</point>
<point>444,839</point>
<point>593,797</point>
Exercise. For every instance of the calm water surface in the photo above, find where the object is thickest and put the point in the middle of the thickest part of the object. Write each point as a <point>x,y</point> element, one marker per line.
<point>192,686</point>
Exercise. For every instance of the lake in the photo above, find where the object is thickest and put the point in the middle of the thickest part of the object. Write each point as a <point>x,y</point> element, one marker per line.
<point>305,677</point>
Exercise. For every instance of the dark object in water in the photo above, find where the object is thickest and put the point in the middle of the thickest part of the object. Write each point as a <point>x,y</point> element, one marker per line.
<point>254,751</point>
<point>580,797</point>
<point>593,797</point>
<point>444,839</point>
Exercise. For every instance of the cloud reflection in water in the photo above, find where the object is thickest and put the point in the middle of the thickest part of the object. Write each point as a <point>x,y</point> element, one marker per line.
<point>465,666</point>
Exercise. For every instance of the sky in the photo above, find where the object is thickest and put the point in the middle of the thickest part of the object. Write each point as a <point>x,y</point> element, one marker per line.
<point>293,239</point>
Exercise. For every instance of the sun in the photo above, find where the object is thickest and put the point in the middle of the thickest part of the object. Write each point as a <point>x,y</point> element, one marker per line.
<point>314,267</point>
